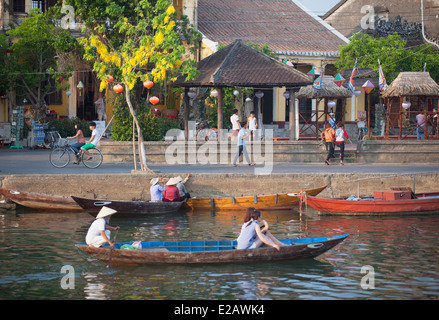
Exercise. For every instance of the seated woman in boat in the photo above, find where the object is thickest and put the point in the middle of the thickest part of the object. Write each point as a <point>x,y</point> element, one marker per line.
<point>99,232</point>
<point>252,236</point>
<point>156,190</point>
<point>171,193</point>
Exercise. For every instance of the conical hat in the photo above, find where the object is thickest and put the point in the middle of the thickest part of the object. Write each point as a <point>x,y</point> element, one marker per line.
<point>105,211</point>
<point>172,181</point>
<point>154,181</point>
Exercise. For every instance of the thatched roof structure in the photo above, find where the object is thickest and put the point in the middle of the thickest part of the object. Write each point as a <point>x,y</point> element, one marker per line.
<point>412,84</point>
<point>329,90</point>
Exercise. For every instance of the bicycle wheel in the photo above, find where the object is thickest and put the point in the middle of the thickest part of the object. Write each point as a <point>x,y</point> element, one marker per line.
<point>95,160</point>
<point>212,135</point>
<point>60,157</point>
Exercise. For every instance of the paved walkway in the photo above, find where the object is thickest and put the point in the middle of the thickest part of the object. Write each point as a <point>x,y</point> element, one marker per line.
<point>37,162</point>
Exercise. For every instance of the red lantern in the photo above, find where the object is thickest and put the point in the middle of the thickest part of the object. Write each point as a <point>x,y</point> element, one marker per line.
<point>148,84</point>
<point>118,88</point>
<point>154,100</point>
<point>109,78</point>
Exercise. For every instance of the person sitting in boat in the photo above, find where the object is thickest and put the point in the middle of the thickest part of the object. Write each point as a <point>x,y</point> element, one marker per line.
<point>171,193</point>
<point>180,185</point>
<point>252,236</point>
<point>157,188</point>
<point>99,232</point>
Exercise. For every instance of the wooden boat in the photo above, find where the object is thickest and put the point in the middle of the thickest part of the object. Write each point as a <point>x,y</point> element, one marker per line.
<point>383,202</point>
<point>282,201</point>
<point>127,208</point>
<point>41,201</point>
<point>209,252</point>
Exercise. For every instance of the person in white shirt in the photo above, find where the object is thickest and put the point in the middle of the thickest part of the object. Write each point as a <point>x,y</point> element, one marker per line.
<point>234,119</point>
<point>252,124</point>
<point>99,232</point>
<point>95,136</point>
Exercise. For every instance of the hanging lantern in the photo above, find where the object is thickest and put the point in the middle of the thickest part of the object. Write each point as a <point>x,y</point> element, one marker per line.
<point>259,94</point>
<point>339,80</point>
<point>331,104</point>
<point>236,93</point>
<point>314,73</point>
<point>214,93</point>
<point>406,105</point>
<point>154,100</point>
<point>368,86</point>
<point>148,84</point>
<point>357,92</point>
<point>191,94</point>
<point>109,78</point>
<point>80,86</point>
<point>118,88</point>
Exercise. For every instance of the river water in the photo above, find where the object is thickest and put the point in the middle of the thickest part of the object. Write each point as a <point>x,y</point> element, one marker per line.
<point>398,255</point>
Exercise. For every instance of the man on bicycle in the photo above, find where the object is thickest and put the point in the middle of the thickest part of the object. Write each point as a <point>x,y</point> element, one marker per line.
<point>95,136</point>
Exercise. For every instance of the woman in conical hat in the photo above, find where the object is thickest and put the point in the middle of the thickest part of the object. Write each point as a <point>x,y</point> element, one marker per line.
<point>99,232</point>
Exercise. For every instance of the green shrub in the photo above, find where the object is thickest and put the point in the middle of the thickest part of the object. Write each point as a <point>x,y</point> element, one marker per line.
<point>66,127</point>
<point>153,128</point>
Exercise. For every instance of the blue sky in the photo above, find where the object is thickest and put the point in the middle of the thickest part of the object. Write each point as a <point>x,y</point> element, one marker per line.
<point>319,7</point>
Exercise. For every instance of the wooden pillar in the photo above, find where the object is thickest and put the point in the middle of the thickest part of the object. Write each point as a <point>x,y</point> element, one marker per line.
<point>220,112</point>
<point>400,117</point>
<point>368,116</point>
<point>292,104</point>
<point>186,114</point>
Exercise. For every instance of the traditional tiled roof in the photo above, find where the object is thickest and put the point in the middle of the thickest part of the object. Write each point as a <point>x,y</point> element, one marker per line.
<point>283,25</point>
<point>240,65</point>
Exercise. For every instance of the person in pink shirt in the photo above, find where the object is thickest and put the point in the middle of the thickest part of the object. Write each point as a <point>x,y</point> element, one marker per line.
<point>340,136</point>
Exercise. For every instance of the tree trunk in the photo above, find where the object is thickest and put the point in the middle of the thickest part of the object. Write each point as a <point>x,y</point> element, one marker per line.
<point>141,145</point>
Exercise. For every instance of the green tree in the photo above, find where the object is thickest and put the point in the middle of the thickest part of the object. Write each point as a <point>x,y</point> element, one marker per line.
<point>148,48</point>
<point>392,53</point>
<point>33,64</point>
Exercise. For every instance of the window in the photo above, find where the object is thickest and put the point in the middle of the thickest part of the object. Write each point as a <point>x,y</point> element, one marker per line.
<point>19,5</point>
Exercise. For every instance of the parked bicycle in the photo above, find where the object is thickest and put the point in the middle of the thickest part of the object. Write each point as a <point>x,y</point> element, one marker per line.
<point>205,132</point>
<point>62,153</point>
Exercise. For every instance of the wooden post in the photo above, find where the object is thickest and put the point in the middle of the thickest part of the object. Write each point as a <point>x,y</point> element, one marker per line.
<point>186,114</point>
<point>400,117</point>
<point>220,112</point>
<point>292,104</point>
<point>368,116</point>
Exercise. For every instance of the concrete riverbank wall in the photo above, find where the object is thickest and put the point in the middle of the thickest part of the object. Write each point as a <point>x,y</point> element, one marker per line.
<point>136,185</point>
<point>370,151</point>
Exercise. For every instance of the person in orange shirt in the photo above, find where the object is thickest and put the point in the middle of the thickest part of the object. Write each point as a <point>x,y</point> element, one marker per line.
<point>327,136</point>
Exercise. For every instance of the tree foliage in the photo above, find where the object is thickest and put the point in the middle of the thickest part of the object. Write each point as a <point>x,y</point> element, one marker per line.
<point>393,54</point>
<point>33,66</point>
<point>146,46</point>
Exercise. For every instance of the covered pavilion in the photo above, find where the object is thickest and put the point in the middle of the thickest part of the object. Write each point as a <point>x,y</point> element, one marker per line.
<point>329,92</point>
<point>240,65</point>
<point>408,95</point>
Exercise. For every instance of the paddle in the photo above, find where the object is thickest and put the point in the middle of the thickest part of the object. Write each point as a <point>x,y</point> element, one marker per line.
<point>111,250</point>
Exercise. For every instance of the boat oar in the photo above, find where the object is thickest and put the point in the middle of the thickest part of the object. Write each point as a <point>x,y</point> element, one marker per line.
<point>111,250</point>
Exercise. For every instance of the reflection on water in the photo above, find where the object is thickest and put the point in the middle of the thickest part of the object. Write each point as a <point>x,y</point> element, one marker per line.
<point>402,250</point>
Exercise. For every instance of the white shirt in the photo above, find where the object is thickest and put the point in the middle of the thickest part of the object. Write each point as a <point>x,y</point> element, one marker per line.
<point>95,230</point>
<point>234,119</point>
<point>247,236</point>
<point>252,123</point>
<point>96,135</point>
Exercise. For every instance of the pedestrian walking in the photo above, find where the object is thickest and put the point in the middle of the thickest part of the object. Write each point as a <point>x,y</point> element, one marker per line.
<point>340,137</point>
<point>241,146</point>
<point>327,136</point>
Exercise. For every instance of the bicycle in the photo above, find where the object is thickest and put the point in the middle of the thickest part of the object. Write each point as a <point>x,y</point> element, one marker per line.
<point>205,132</point>
<point>61,154</point>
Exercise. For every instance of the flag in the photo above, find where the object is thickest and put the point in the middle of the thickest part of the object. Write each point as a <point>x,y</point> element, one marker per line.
<point>382,80</point>
<point>318,84</point>
<point>351,86</point>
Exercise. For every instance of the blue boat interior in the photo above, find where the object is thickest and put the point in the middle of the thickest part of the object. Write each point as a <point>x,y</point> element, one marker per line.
<point>212,245</point>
